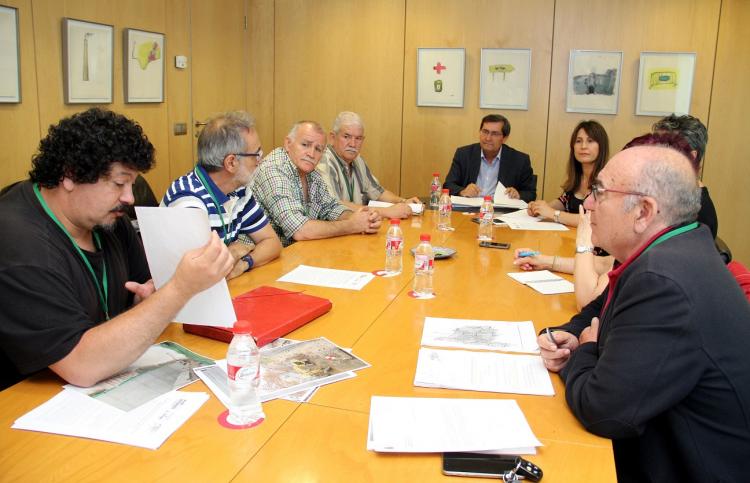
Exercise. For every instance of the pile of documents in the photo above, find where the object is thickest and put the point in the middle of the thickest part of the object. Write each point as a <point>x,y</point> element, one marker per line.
<point>544,282</point>
<point>327,277</point>
<point>481,371</point>
<point>521,220</point>
<point>290,369</point>
<point>140,407</point>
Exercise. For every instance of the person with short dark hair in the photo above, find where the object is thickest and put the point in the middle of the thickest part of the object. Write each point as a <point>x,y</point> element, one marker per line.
<point>228,153</point>
<point>658,361</point>
<point>76,288</point>
<point>477,168</point>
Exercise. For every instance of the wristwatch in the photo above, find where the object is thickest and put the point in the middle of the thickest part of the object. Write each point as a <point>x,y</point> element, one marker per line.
<point>557,216</point>
<point>584,249</point>
<point>250,262</point>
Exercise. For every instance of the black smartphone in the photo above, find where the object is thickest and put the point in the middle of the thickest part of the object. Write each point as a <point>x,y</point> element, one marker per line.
<point>489,466</point>
<point>488,244</point>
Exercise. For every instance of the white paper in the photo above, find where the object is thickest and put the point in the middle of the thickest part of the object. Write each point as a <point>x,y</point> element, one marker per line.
<point>516,224</point>
<point>327,277</point>
<point>431,425</point>
<point>167,234</point>
<point>544,281</point>
<point>75,414</point>
<point>483,371</point>
<point>519,216</point>
<point>503,200</point>
<point>480,334</point>
<point>416,208</point>
<point>477,202</point>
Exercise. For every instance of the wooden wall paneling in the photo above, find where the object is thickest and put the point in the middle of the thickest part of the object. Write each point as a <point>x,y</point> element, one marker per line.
<point>19,135</point>
<point>334,55</point>
<point>260,75</point>
<point>178,101</point>
<point>432,134</point>
<point>630,27</point>
<point>727,165</point>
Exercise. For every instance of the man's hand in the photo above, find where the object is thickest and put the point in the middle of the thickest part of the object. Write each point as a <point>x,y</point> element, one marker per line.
<point>399,210</point>
<point>413,199</point>
<point>583,234</point>
<point>239,249</point>
<point>555,356</point>
<point>471,191</point>
<point>590,333</point>
<point>141,290</point>
<point>365,221</point>
<point>512,193</point>
<point>202,267</point>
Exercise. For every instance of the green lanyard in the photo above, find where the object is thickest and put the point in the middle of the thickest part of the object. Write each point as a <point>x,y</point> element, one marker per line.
<point>219,208</point>
<point>670,234</point>
<point>103,294</point>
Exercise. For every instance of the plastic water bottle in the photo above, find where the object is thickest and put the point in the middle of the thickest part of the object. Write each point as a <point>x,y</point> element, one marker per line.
<point>444,211</point>
<point>243,370</point>
<point>435,190</point>
<point>486,214</point>
<point>424,263</point>
<point>394,248</point>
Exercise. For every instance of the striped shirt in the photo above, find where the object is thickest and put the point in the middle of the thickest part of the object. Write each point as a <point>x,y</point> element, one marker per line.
<point>242,215</point>
<point>357,186</point>
<point>279,190</point>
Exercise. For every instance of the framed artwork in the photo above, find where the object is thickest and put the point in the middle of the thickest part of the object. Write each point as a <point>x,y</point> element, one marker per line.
<point>504,78</point>
<point>87,62</point>
<point>594,81</point>
<point>143,56</point>
<point>665,83</point>
<point>10,71</point>
<point>440,77</point>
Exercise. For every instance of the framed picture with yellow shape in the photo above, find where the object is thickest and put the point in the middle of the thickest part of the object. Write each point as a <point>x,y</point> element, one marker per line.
<point>665,83</point>
<point>143,59</point>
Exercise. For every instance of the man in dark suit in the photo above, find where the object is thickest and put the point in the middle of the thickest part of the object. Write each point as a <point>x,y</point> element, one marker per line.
<point>477,168</point>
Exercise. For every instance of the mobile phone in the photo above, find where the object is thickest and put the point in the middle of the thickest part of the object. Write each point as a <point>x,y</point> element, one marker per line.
<point>488,244</point>
<point>489,466</point>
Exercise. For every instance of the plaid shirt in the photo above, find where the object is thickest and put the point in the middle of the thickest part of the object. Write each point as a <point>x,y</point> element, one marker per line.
<point>278,188</point>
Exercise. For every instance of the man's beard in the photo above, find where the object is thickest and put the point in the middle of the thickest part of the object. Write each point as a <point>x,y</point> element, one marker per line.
<point>110,227</point>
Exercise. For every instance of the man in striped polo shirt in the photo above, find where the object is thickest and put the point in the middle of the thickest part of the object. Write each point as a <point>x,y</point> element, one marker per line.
<point>228,153</point>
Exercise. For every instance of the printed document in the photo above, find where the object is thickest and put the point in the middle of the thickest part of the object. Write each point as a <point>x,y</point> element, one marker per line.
<point>544,282</point>
<point>504,201</point>
<point>433,425</point>
<point>416,208</point>
<point>167,234</point>
<point>482,371</point>
<point>75,414</point>
<point>328,277</point>
<point>480,334</point>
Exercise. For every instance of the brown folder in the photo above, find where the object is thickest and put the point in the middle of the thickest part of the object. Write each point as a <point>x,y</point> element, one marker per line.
<point>272,313</point>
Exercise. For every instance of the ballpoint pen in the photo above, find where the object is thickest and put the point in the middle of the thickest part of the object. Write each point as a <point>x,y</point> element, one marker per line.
<point>549,334</point>
<point>527,253</point>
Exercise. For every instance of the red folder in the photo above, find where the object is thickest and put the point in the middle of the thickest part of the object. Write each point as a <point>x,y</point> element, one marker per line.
<point>272,313</point>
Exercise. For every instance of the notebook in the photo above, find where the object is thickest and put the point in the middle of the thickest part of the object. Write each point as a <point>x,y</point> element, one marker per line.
<point>272,313</point>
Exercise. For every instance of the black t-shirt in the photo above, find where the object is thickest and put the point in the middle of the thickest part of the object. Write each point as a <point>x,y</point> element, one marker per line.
<point>49,298</point>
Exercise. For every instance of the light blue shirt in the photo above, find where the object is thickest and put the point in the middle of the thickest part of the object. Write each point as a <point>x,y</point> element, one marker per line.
<point>488,171</point>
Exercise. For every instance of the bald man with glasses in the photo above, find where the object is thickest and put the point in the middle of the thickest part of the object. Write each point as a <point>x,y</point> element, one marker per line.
<point>477,168</point>
<point>228,153</point>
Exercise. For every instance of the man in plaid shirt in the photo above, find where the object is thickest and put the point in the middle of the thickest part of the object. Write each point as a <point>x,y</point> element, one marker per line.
<point>295,197</point>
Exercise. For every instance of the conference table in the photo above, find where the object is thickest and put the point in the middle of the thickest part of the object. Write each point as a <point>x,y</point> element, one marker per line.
<point>324,440</point>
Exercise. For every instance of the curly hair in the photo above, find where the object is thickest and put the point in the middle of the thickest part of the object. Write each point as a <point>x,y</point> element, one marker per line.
<point>84,146</point>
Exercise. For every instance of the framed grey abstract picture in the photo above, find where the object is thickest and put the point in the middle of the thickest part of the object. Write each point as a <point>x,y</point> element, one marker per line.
<point>440,77</point>
<point>87,62</point>
<point>665,83</point>
<point>504,79</point>
<point>10,66</point>
<point>594,81</point>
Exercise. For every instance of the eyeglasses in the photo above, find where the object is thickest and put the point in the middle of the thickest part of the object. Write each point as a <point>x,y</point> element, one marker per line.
<point>597,190</point>
<point>494,134</point>
<point>257,154</point>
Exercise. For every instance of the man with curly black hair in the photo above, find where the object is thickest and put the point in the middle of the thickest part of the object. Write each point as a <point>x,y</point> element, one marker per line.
<point>76,289</point>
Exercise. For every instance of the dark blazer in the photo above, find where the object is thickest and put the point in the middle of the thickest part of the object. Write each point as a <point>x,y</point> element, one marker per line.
<point>515,170</point>
<point>668,378</point>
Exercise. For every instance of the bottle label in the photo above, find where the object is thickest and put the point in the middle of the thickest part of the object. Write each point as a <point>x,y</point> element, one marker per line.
<point>423,262</point>
<point>445,208</point>
<point>487,216</point>
<point>393,243</point>
<point>239,373</point>
<point>434,186</point>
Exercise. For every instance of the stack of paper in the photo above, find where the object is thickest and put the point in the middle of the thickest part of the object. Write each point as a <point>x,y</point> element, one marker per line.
<point>504,201</point>
<point>327,277</point>
<point>431,425</point>
<point>416,208</point>
<point>521,220</point>
<point>544,281</point>
<point>290,370</point>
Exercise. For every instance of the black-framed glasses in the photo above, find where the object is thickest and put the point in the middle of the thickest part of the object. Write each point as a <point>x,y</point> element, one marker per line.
<point>257,154</point>
<point>597,190</point>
